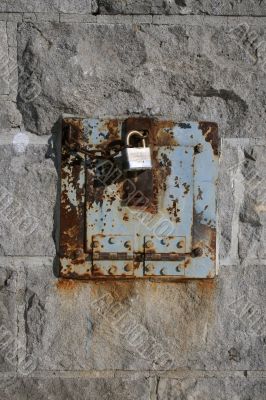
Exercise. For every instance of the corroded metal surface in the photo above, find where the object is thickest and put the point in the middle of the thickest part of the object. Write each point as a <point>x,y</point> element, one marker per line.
<point>146,224</point>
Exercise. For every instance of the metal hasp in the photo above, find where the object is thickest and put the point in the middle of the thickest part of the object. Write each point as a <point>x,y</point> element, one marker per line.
<point>155,223</point>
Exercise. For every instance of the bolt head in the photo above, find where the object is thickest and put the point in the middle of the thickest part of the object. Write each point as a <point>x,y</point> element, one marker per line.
<point>198,148</point>
<point>128,267</point>
<point>149,244</point>
<point>112,270</point>
<point>197,252</point>
<point>149,267</point>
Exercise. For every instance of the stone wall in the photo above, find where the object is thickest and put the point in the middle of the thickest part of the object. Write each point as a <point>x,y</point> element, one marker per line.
<point>186,59</point>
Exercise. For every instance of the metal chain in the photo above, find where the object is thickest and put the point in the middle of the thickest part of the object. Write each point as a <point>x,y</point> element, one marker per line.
<point>105,153</point>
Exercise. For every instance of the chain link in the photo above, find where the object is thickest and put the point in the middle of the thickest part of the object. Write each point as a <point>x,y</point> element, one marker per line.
<point>107,153</point>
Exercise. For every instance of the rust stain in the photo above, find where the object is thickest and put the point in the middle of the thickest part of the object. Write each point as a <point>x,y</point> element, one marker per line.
<point>112,138</point>
<point>76,131</point>
<point>187,262</point>
<point>210,131</point>
<point>174,210</point>
<point>207,287</point>
<point>125,217</point>
<point>120,290</point>
<point>200,193</point>
<point>112,126</point>
<point>165,137</point>
<point>67,284</point>
<point>159,132</point>
<point>72,216</point>
<point>186,188</point>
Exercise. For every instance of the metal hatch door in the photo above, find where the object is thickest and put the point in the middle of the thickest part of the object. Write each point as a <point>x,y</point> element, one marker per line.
<point>154,223</point>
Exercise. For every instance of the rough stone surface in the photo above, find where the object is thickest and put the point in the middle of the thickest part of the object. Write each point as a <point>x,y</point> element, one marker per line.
<point>197,340</point>
<point>223,389</point>
<point>85,389</point>
<point>28,194</point>
<point>211,325</point>
<point>10,117</point>
<point>80,6</point>
<point>252,235</point>
<point>4,71</point>
<point>30,5</point>
<point>64,6</point>
<point>241,196</point>
<point>188,72</point>
<point>8,319</point>
<point>208,7</point>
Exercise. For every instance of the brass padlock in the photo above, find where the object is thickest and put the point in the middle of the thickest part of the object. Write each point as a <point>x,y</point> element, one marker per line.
<point>137,158</point>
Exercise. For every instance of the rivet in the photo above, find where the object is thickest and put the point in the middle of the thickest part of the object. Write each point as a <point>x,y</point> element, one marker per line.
<point>127,244</point>
<point>164,242</point>
<point>149,244</point>
<point>198,148</point>
<point>149,267</point>
<point>111,240</point>
<point>128,267</point>
<point>78,253</point>
<point>197,252</point>
<point>162,272</point>
<point>112,270</point>
<point>180,244</point>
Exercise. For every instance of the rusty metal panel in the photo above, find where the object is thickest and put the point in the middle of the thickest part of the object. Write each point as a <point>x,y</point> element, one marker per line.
<point>154,223</point>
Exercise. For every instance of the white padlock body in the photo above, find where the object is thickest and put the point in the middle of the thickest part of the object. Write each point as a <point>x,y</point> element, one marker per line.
<point>138,158</point>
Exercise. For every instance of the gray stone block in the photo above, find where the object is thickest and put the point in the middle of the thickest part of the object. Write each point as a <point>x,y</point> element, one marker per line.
<point>227,206</point>
<point>233,337</point>
<point>28,192</point>
<point>8,318</point>
<point>4,60</point>
<point>32,6</point>
<point>208,7</point>
<point>76,388</point>
<point>75,6</point>
<point>211,389</point>
<point>209,325</point>
<point>10,117</point>
<point>65,6</point>
<point>187,72</point>
<point>252,234</point>
<point>78,18</point>
<point>241,201</point>
<point>114,19</point>
<point>49,17</point>
<point>12,33</point>
<point>142,19</point>
<point>12,17</point>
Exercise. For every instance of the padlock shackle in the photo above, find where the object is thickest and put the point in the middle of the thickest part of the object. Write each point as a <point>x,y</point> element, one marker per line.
<point>135,133</point>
